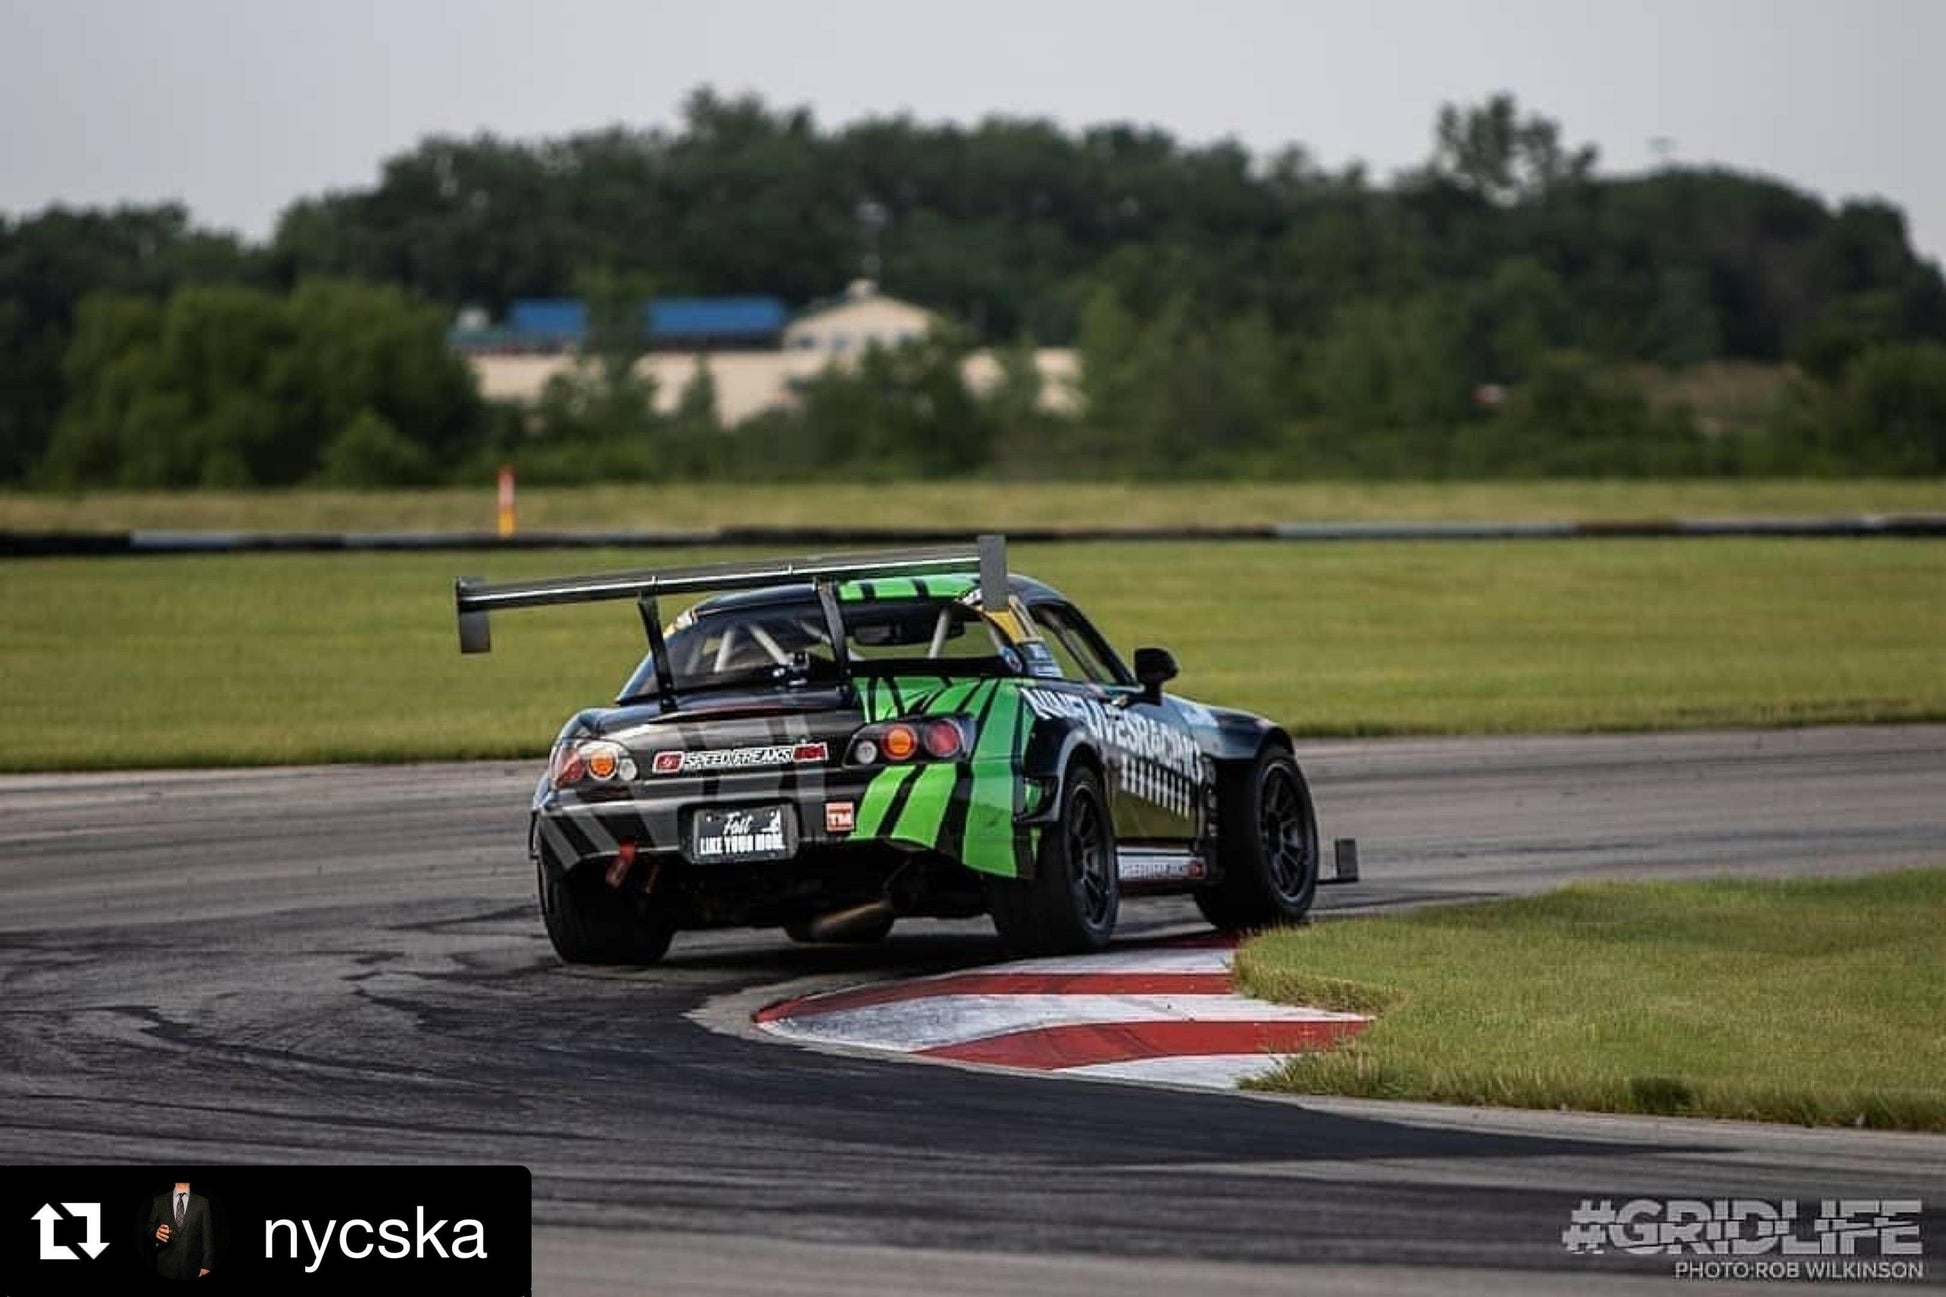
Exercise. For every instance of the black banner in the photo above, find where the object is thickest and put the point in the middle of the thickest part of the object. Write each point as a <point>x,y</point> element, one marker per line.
<point>258,1229</point>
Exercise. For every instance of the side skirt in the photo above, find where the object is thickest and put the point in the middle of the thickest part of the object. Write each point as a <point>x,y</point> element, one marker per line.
<point>1142,868</point>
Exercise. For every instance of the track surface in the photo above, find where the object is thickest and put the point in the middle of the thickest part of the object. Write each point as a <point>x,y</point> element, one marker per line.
<point>345,964</point>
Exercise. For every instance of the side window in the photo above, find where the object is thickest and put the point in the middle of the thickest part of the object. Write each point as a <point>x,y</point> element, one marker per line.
<point>1082,653</point>
<point>1071,668</point>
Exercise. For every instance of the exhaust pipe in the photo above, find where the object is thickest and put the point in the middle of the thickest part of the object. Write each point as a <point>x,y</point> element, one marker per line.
<point>834,926</point>
<point>617,872</point>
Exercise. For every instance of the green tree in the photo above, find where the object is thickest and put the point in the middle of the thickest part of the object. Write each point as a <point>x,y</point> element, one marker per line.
<point>1846,329</point>
<point>1512,318</point>
<point>1027,438</point>
<point>1493,151</point>
<point>1183,392</point>
<point>1013,224</point>
<point>1574,418</point>
<point>1682,328</point>
<point>1894,410</point>
<point>360,347</point>
<point>1112,382</point>
<point>693,439</point>
<point>228,386</point>
<point>1225,308</point>
<point>897,412</point>
<point>696,413</point>
<point>598,419</point>
<point>53,260</point>
<point>1382,389</point>
<point>369,451</point>
<point>113,367</point>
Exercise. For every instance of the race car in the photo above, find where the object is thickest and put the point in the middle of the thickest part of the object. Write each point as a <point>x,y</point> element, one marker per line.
<point>830,744</point>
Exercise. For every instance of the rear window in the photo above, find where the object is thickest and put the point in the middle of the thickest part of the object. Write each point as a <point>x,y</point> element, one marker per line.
<point>786,643</point>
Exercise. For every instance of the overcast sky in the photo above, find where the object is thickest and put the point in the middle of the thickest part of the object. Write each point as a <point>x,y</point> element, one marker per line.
<point>238,106</point>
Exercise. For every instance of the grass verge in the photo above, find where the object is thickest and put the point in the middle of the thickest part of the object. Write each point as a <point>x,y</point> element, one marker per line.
<point>258,659</point>
<point>1815,1002</point>
<point>972,505</point>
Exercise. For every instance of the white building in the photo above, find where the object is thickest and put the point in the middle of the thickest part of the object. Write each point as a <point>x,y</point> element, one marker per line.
<point>836,332</point>
<point>851,323</point>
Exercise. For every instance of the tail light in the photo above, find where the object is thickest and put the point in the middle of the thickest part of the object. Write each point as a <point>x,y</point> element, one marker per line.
<point>589,761</point>
<point>931,738</point>
<point>899,743</point>
<point>567,767</point>
<point>942,739</point>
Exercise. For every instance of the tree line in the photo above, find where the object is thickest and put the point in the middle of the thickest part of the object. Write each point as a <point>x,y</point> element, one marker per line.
<point>1503,308</point>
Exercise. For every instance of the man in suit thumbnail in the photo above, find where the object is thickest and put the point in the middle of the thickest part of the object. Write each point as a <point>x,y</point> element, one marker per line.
<point>178,1228</point>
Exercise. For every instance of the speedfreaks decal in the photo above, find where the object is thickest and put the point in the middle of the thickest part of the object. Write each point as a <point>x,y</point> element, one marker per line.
<point>682,761</point>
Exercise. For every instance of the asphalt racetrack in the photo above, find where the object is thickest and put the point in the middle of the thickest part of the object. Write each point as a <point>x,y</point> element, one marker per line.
<point>345,964</point>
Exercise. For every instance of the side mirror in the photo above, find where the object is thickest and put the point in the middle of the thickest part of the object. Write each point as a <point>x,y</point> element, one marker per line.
<point>1155,667</point>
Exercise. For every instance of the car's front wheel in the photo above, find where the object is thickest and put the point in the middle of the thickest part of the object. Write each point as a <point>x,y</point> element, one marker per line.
<point>590,922</point>
<point>1070,904</point>
<point>1267,845</point>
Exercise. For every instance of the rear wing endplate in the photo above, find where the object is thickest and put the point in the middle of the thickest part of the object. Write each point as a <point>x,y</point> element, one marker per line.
<point>475,599</point>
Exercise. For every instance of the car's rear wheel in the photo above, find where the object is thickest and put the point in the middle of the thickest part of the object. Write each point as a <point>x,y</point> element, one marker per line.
<point>1070,904</point>
<point>590,922</point>
<point>1267,846</point>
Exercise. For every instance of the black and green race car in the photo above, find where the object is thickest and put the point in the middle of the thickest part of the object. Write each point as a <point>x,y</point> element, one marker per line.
<point>827,745</point>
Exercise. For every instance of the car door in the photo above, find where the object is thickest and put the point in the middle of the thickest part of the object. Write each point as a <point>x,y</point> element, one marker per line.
<point>1154,762</point>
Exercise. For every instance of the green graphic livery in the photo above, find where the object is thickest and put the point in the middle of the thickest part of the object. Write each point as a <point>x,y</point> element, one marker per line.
<point>829,745</point>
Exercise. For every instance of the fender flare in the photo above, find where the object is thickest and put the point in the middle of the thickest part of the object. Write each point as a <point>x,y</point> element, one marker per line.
<point>1053,746</point>
<point>1241,757</point>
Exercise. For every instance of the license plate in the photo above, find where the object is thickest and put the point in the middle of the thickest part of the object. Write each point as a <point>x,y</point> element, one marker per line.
<point>744,833</point>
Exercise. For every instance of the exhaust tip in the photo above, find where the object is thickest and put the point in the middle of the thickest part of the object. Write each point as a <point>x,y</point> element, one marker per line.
<point>835,925</point>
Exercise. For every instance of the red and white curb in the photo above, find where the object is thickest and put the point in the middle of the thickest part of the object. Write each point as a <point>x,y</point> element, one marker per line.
<point>1156,1013</point>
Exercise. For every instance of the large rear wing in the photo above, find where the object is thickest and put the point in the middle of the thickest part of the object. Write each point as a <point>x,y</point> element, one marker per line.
<point>475,599</point>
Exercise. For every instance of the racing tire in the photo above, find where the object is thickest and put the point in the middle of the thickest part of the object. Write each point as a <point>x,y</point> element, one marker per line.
<point>1266,846</point>
<point>1070,904</point>
<point>591,923</point>
<point>866,935</point>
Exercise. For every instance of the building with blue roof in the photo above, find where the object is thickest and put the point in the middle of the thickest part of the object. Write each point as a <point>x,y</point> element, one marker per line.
<point>551,324</point>
<point>716,321</point>
<point>757,357</point>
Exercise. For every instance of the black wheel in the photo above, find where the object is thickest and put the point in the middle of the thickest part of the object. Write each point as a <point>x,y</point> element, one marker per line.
<point>861,935</point>
<point>591,923</point>
<point>1267,845</point>
<point>1070,904</point>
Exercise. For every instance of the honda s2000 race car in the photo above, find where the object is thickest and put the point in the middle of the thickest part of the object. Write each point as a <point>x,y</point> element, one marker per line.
<point>830,744</point>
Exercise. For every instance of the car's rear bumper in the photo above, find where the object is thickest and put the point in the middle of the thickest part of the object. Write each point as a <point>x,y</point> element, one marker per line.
<point>654,819</point>
<point>969,813</point>
<point>825,872</point>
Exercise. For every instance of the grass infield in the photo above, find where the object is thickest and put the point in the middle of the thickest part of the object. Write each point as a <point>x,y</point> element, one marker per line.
<point>972,505</point>
<point>1817,1002</point>
<point>256,659</point>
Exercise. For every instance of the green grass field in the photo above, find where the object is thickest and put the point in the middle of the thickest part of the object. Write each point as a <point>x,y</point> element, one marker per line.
<point>969,505</point>
<point>1814,1001</point>
<point>298,658</point>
